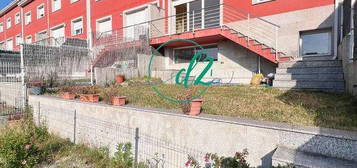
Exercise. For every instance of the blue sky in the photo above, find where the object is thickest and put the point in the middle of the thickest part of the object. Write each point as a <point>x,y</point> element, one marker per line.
<point>3,3</point>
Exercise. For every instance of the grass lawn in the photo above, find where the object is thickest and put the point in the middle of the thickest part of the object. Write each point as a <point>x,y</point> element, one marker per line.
<point>254,102</point>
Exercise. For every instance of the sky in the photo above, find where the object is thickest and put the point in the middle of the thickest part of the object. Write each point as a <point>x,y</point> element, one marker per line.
<point>3,3</point>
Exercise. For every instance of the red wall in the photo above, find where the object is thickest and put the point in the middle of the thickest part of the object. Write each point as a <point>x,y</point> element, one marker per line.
<point>276,6</point>
<point>14,30</point>
<point>115,8</point>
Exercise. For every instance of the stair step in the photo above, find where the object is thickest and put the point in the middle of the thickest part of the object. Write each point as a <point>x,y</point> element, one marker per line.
<point>310,70</point>
<point>311,77</point>
<point>284,156</point>
<point>306,64</point>
<point>309,84</point>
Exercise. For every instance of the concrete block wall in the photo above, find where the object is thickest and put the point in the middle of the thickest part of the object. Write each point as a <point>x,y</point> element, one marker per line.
<point>291,23</point>
<point>349,66</point>
<point>206,133</point>
<point>235,64</point>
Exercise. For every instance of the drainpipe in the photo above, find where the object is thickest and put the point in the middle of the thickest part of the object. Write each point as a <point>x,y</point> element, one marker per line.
<point>89,39</point>
<point>48,18</point>
<point>22,24</point>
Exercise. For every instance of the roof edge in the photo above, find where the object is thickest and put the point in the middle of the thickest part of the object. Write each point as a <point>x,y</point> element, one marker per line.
<point>10,6</point>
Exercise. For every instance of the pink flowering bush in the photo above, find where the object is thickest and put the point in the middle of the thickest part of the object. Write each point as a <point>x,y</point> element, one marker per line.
<point>215,161</point>
<point>24,145</point>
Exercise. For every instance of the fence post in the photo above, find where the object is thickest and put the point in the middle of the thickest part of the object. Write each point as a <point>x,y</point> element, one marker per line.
<point>39,115</point>
<point>22,68</point>
<point>74,126</point>
<point>136,147</point>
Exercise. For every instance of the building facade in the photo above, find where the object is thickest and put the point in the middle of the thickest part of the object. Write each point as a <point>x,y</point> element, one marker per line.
<point>243,37</point>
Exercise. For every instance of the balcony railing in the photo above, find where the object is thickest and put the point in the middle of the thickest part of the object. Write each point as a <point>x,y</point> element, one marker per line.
<point>223,15</point>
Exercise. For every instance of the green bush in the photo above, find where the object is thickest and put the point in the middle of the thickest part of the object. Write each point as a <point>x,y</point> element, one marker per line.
<point>19,145</point>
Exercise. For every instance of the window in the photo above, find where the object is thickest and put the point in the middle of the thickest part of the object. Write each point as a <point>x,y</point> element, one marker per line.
<point>29,39</point>
<point>18,40</point>
<point>8,23</point>
<point>136,26</point>
<point>2,45</point>
<point>40,11</point>
<point>9,44</point>
<point>185,55</point>
<point>77,26</point>
<point>17,18</point>
<point>28,18</point>
<point>259,1</point>
<point>1,27</point>
<point>56,5</point>
<point>315,43</point>
<point>73,1</point>
<point>104,25</point>
<point>41,35</point>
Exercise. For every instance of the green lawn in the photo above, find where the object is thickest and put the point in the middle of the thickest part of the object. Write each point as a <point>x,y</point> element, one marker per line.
<point>305,108</point>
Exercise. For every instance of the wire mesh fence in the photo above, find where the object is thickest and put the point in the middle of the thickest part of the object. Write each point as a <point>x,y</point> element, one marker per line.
<point>11,86</point>
<point>148,150</point>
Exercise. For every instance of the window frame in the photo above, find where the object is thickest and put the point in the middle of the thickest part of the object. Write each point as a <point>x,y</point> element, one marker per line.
<point>17,42</point>
<point>316,31</point>
<point>41,32</point>
<point>27,37</point>
<point>2,27</point>
<point>17,15</point>
<point>27,22</point>
<point>72,26</point>
<point>53,5</point>
<point>12,41</point>
<point>7,23</point>
<point>255,2</point>
<point>195,47</point>
<point>4,45</point>
<point>37,11</point>
<point>97,22</point>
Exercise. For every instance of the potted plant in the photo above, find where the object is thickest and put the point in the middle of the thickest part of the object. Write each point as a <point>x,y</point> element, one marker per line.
<point>110,96</point>
<point>189,105</point>
<point>89,94</point>
<point>67,92</point>
<point>120,78</point>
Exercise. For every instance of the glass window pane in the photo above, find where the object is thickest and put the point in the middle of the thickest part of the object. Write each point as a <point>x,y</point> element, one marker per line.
<point>316,43</point>
<point>185,55</point>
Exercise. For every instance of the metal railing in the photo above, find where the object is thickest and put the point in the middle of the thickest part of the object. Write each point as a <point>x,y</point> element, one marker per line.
<point>251,26</point>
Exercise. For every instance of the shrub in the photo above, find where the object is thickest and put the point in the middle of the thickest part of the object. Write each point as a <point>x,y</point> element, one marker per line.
<point>124,156</point>
<point>108,93</point>
<point>88,90</point>
<point>215,161</point>
<point>19,145</point>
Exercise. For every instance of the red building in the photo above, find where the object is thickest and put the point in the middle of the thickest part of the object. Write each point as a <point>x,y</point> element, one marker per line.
<point>244,37</point>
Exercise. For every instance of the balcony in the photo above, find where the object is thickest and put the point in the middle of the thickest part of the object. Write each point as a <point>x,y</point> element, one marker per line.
<point>204,25</point>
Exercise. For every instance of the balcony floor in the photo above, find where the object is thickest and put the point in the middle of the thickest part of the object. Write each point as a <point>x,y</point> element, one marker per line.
<point>203,36</point>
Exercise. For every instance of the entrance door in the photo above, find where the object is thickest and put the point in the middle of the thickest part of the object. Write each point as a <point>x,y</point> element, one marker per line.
<point>181,18</point>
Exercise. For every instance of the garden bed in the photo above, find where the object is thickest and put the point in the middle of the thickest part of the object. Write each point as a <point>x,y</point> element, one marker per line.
<point>256,102</point>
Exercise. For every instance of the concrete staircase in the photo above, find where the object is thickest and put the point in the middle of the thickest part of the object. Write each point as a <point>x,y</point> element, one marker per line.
<point>285,156</point>
<point>314,75</point>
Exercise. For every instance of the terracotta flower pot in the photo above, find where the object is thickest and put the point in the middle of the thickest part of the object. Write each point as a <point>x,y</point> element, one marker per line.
<point>68,95</point>
<point>93,98</point>
<point>118,101</point>
<point>120,79</point>
<point>195,107</point>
